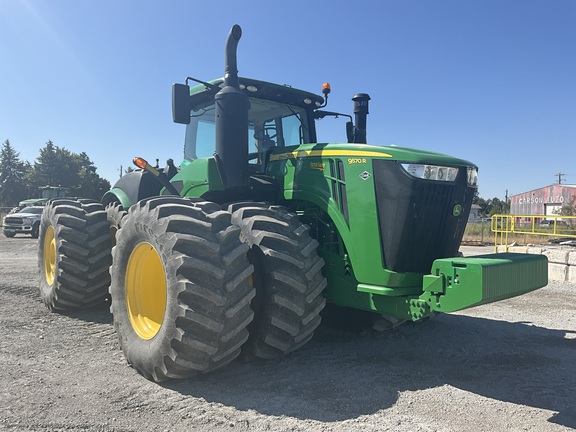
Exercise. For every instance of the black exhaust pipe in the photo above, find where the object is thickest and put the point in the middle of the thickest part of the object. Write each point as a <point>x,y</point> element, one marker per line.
<point>360,114</point>
<point>232,121</point>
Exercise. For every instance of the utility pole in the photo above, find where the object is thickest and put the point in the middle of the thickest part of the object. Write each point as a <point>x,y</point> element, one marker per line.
<point>560,176</point>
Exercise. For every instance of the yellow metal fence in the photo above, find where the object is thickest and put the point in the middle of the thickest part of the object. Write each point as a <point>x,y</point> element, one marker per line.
<point>535,225</point>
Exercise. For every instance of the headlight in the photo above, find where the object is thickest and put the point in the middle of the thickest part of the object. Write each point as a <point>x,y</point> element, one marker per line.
<point>472,177</point>
<point>432,172</point>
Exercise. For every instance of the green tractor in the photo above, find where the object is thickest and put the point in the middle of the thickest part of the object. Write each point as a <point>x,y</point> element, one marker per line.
<point>48,193</point>
<point>238,250</point>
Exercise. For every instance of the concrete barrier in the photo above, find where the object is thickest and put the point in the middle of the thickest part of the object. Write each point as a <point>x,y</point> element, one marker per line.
<point>561,260</point>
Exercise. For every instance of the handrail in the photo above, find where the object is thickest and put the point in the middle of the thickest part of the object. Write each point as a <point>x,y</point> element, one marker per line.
<point>539,225</point>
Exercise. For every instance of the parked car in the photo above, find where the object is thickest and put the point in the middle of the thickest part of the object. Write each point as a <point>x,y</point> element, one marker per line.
<point>25,221</point>
<point>549,223</point>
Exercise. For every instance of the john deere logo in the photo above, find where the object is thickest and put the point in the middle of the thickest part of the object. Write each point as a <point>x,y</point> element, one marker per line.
<point>457,210</point>
<point>365,175</point>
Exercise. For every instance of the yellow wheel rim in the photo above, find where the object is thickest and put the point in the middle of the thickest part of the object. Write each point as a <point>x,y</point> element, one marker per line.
<point>50,255</point>
<point>145,291</point>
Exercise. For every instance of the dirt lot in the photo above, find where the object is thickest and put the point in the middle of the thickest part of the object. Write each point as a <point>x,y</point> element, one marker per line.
<point>509,366</point>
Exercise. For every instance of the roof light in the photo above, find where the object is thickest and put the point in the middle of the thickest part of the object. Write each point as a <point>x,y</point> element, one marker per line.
<point>307,101</point>
<point>326,89</point>
<point>252,88</point>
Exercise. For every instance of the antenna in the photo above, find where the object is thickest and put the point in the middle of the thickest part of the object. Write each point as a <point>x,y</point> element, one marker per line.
<point>560,176</point>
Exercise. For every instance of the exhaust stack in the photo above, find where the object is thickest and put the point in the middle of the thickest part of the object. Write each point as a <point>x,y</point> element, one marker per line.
<point>232,121</point>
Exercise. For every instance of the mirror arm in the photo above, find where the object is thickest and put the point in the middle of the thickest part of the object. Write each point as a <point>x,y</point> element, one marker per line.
<point>206,84</point>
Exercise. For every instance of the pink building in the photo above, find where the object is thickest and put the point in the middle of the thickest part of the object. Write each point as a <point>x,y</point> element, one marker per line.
<point>544,201</point>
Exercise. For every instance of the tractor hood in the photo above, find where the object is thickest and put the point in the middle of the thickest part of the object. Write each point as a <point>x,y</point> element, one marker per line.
<point>347,150</point>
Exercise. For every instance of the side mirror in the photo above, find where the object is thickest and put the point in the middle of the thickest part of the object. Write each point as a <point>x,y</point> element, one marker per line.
<point>181,103</point>
<point>350,131</point>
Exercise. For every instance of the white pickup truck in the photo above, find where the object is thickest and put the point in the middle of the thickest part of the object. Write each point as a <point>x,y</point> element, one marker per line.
<point>25,221</point>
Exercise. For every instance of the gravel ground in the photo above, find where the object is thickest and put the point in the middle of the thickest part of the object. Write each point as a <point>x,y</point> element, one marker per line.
<point>508,366</point>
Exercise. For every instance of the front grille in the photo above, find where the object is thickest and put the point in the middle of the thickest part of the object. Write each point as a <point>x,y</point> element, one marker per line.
<point>417,221</point>
<point>13,220</point>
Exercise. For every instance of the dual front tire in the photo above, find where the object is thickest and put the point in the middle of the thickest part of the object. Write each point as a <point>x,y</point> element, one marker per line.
<point>180,288</point>
<point>287,278</point>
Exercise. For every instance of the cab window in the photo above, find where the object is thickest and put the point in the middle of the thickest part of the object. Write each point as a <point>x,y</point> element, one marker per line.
<point>271,124</point>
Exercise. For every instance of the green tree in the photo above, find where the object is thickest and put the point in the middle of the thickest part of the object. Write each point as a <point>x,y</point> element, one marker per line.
<point>46,167</point>
<point>492,206</point>
<point>484,210</point>
<point>90,184</point>
<point>498,206</point>
<point>55,167</point>
<point>12,176</point>
<point>569,210</point>
<point>58,166</point>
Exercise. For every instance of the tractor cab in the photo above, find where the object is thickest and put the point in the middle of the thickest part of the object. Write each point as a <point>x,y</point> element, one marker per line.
<point>278,116</point>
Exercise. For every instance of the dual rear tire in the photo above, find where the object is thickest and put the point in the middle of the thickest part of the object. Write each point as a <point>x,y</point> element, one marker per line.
<point>74,254</point>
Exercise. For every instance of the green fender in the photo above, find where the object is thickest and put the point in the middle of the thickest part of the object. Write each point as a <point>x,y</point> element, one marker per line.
<point>116,194</point>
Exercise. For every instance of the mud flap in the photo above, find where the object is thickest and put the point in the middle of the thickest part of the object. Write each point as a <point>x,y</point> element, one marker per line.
<point>459,283</point>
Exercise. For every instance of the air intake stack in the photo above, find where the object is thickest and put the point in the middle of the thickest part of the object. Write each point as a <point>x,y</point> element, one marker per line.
<point>360,114</point>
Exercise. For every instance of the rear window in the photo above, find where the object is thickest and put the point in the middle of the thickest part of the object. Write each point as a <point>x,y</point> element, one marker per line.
<point>34,210</point>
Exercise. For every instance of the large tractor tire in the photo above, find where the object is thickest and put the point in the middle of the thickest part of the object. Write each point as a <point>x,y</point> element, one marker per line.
<point>287,277</point>
<point>74,254</point>
<point>35,230</point>
<point>180,288</point>
<point>115,213</point>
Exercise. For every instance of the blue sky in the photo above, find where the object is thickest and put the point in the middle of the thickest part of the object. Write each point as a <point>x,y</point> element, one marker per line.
<point>491,81</point>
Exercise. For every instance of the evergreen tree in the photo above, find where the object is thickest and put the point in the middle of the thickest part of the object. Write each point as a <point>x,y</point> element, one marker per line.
<point>90,184</point>
<point>58,166</point>
<point>12,176</point>
<point>46,166</point>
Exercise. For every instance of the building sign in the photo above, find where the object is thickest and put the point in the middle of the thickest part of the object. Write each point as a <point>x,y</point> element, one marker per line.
<point>527,199</point>
<point>544,201</point>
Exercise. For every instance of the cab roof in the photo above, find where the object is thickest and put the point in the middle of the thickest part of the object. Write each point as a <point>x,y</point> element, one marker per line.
<point>201,94</point>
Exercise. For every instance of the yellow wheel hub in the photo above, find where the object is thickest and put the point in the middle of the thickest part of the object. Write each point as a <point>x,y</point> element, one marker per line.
<point>145,291</point>
<point>50,255</point>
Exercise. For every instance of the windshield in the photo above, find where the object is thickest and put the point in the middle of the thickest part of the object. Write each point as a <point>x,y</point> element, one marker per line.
<point>34,210</point>
<point>271,124</point>
<point>54,193</point>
